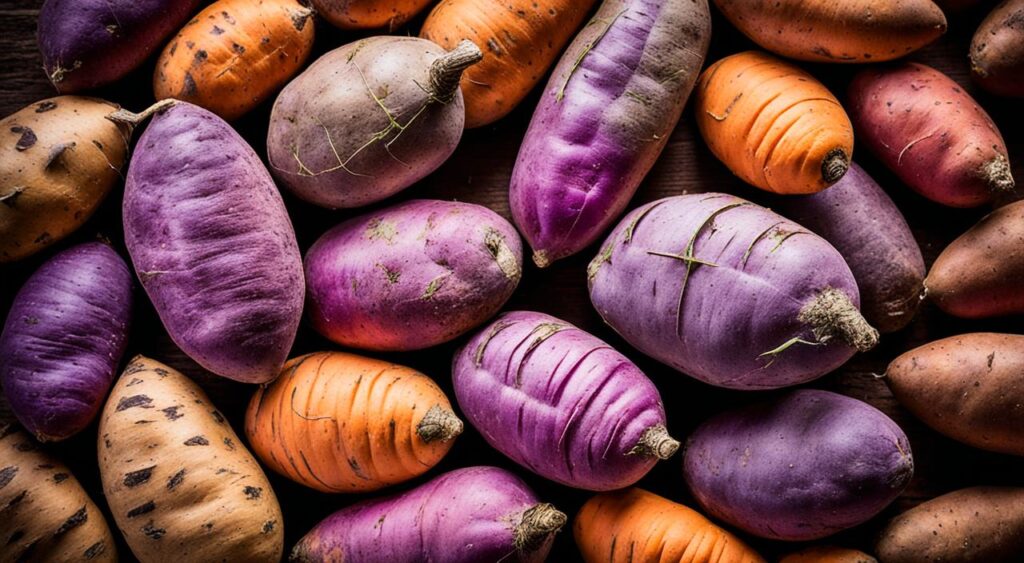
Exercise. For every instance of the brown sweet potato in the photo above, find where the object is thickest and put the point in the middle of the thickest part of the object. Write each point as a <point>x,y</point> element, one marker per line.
<point>828,554</point>
<point>997,50</point>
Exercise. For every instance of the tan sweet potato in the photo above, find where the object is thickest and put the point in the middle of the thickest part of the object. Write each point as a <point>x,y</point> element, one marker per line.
<point>180,483</point>
<point>828,554</point>
<point>974,525</point>
<point>44,513</point>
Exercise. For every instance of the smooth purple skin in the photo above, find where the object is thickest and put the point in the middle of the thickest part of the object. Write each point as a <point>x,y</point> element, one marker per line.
<point>63,340</point>
<point>557,400</point>
<point>734,313</point>
<point>866,227</point>
<point>97,42</point>
<point>325,117</point>
<point>466,515</point>
<point>804,466</point>
<point>411,276</point>
<point>212,244</point>
<point>590,145</point>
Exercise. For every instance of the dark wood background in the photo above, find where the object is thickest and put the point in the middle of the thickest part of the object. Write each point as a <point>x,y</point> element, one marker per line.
<point>479,172</point>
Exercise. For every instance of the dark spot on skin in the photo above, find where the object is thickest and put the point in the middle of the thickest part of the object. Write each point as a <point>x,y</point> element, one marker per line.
<point>229,443</point>
<point>134,381</point>
<point>161,372</point>
<point>15,537</point>
<point>228,18</point>
<point>60,477</point>
<point>31,321</point>
<point>106,441</point>
<point>224,470</point>
<point>200,57</point>
<point>299,19</point>
<point>253,493</point>
<point>494,47</point>
<point>217,30</point>
<point>7,475</point>
<point>141,509</point>
<point>136,478</point>
<point>95,550</point>
<point>218,417</point>
<point>141,401</point>
<point>197,441</point>
<point>76,519</point>
<point>175,480</point>
<point>991,357</point>
<point>45,466</point>
<point>172,412</point>
<point>43,107</point>
<point>26,446</point>
<point>238,49</point>
<point>14,501</point>
<point>208,526</point>
<point>43,239</point>
<point>152,532</point>
<point>189,88</point>
<point>190,44</point>
<point>265,40</point>
<point>56,152</point>
<point>133,368</point>
<point>268,526</point>
<point>27,139</point>
<point>174,47</point>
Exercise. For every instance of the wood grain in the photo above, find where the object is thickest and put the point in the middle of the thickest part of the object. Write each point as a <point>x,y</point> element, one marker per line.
<point>479,172</point>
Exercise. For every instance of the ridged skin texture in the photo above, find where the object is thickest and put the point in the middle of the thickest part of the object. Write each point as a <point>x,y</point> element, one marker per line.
<point>720,323</point>
<point>974,525</point>
<point>213,245</point>
<point>412,275</point>
<point>635,525</point>
<point>520,42</point>
<point>603,121</point>
<point>979,274</point>
<point>860,220</point>
<point>369,14</point>
<point>558,401</point>
<point>927,130</point>
<point>342,423</point>
<point>180,483</point>
<point>968,387</point>
<point>828,554</point>
<point>463,516</point>
<point>771,123</point>
<point>235,54</point>
<point>63,339</point>
<point>997,50</point>
<point>90,43</point>
<point>851,31</point>
<point>801,467</point>
<point>332,144</point>
<point>47,516</point>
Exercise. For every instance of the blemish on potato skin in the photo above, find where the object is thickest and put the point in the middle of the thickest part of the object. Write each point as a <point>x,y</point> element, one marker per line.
<point>59,477</point>
<point>14,501</point>
<point>138,477</point>
<point>252,493</point>
<point>75,520</point>
<point>218,417</point>
<point>268,526</point>
<point>197,441</point>
<point>94,550</point>
<point>175,480</point>
<point>145,508</point>
<point>152,532</point>
<point>172,412</point>
<point>7,475</point>
<point>43,107</point>
<point>140,401</point>
<point>27,138</point>
<point>229,443</point>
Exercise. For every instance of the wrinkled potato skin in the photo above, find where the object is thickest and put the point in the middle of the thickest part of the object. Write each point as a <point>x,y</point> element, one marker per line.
<point>58,159</point>
<point>974,525</point>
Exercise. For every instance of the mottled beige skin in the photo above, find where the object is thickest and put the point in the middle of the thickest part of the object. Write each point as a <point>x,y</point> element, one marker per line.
<point>58,159</point>
<point>46,516</point>
<point>974,525</point>
<point>180,483</point>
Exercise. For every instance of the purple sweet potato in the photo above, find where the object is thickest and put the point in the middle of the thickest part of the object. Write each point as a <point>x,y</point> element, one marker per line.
<point>801,467</point>
<point>368,120</point>
<point>411,276</point>
<point>212,244</point>
<point>931,133</point>
<point>463,516</point>
<point>867,228</point>
<point>561,402</point>
<point>90,43</point>
<point>64,338</point>
<point>604,118</point>
<point>997,50</point>
<point>729,293</point>
<point>980,274</point>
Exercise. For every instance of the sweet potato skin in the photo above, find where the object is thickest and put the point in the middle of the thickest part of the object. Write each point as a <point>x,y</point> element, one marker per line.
<point>852,31</point>
<point>369,14</point>
<point>973,525</point>
<point>828,554</point>
<point>979,274</point>
<point>968,387</point>
<point>59,159</point>
<point>46,514</point>
<point>997,50</point>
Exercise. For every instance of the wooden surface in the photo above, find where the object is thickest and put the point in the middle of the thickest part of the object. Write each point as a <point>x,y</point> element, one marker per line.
<point>479,172</point>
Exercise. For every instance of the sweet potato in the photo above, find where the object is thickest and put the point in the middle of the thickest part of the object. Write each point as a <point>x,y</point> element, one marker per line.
<point>63,340</point>
<point>561,403</point>
<point>90,43</point>
<point>850,31</point>
<point>866,227</point>
<point>979,274</point>
<point>828,554</point>
<point>181,485</point>
<point>46,514</point>
<point>974,525</point>
<point>997,50</point>
<point>728,292</point>
<point>605,116</point>
<point>800,467</point>
<point>369,14</point>
<point>968,387</point>
<point>235,54</point>
<point>469,515</point>
<point>412,275</point>
<point>772,124</point>
<point>368,120</point>
<point>339,422</point>
<point>58,160</point>
<point>635,525</point>
<point>931,133</point>
<point>521,39</point>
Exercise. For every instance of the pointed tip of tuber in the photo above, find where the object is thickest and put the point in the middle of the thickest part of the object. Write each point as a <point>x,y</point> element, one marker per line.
<point>540,258</point>
<point>439,424</point>
<point>997,174</point>
<point>832,314</point>
<point>446,71</point>
<point>538,524</point>
<point>834,166</point>
<point>655,442</point>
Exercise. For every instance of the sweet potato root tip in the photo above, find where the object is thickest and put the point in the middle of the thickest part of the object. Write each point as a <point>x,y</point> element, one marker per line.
<point>832,314</point>
<point>439,424</point>
<point>446,71</point>
<point>997,174</point>
<point>835,165</point>
<point>655,442</point>
<point>538,523</point>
